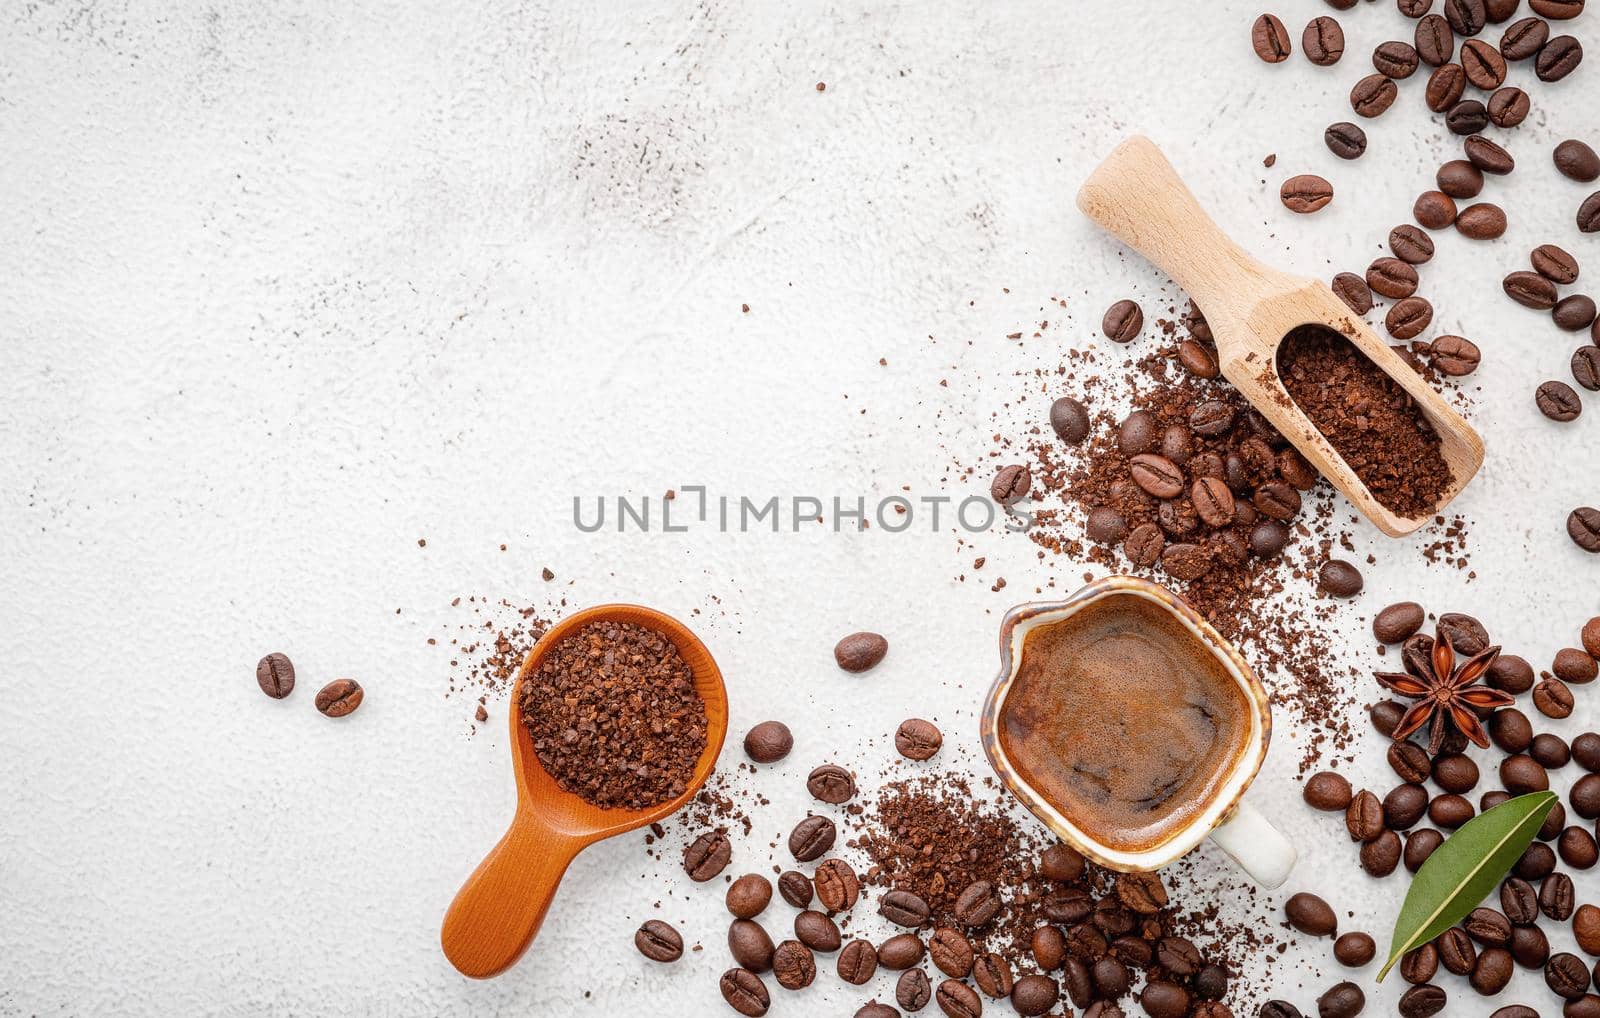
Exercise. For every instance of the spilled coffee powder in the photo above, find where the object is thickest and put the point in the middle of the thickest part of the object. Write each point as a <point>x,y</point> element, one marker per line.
<point>615,717</point>
<point>1372,422</point>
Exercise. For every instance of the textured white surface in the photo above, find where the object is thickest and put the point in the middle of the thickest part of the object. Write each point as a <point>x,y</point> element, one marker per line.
<point>290,286</point>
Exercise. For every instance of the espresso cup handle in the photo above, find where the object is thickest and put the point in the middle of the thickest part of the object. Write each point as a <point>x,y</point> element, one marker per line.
<point>1259,848</point>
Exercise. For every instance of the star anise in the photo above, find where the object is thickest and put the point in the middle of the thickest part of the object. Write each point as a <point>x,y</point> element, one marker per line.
<point>1447,694</point>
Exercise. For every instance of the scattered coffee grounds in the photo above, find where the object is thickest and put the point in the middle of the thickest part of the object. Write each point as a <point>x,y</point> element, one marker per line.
<point>615,717</point>
<point>1368,418</point>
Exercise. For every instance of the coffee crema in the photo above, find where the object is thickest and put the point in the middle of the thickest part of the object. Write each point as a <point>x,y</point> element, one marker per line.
<point>1125,720</point>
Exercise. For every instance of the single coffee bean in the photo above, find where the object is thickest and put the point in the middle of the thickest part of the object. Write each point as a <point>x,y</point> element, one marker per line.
<point>1483,221</point>
<point>838,887</point>
<point>1577,848</point>
<point>1422,1001</point>
<point>793,965</point>
<point>1520,774</point>
<point>1144,545</point>
<point>1197,360</point>
<point>1577,161</point>
<point>1144,893</point>
<point>1404,806</point>
<point>1353,290</point>
<point>1458,178</point>
<point>917,739</point>
<point>1466,17</point>
<point>1161,999</point>
<point>1483,64</point>
<point>1515,1011</point>
<point>1509,106</point>
<point>903,909</point>
<point>1488,927</point>
<point>1070,420</point>
<point>1345,140</point>
<point>658,941</point>
<point>1557,401</point>
<point>811,838</point>
<point>1414,8</point>
<point>1589,218</point>
<point>1435,41</point>
<point>1537,862</point>
<point>977,904</point>
<point>1455,773</point>
<point>1567,975</point>
<point>1310,915</point>
<point>1344,1000</point>
<point>818,932</point>
<point>1277,500</point>
<point>1446,85</point>
<point>1268,538</point>
<point>1523,39</point>
<point>1157,475</point>
<point>1061,862</point>
<point>1586,929</point>
<point>1408,318</point>
<point>900,952</point>
<point>1339,578</point>
<point>1574,313</point>
<point>1270,39</point>
<point>912,991</point>
<point>1531,290</point>
<point>1488,156</point>
<point>1410,244</point>
<point>831,783</point>
<point>1323,41</point>
<point>1410,761</point>
<point>1355,949</point>
<point>1553,824</point>
<point>1558,58</point>
<point>1450,811</point>
<point>1364,818</point>
<point>1586,367</point>
<point>859,652</point>
<point>749,896</point>
<point>1583,526</point>
<point>749,944</point>
<point>1327,791</point>
<point>1386,714</point>
<point>1492,971</point>
<point>1456,952</point>
<point>1381,855</point>
<point>1556,897</point>
<point>1554,264</point>
<point>1586,748</point>
<point>1420,965</point>
<point>795,888</point>
<point>1010,484</point>
<point>1434,210</point>
<point>1557,10</point>
<point>1049,948</point>
<point>1586,1006</point>
<point>1371,97</point>
<point>1397,622</point>
<point>873,1009</point>
<point>1585,796</point>
<point>1520,901</point>
<point>1123,321</point>
<point>1512,674</point>
<point>1469,116</point>
<point>1574,665</point>
<point>1420,844</point>
<point>1529,947</point>
<point>951,952</point>
<point>958,1000</point>
<point>1455,356</point>
<point>275,675</point>
<point>1139,432</point>
<point>1392,278</point>
<point>745,992</point>
<point>707,856</point>
<point>993,975</point>
<point>1035,994</point>
<point>1212,500</point>
<point>1306,193</point>
<point>1397,60</point>
<point>339,697</point>
<point>768,742</point>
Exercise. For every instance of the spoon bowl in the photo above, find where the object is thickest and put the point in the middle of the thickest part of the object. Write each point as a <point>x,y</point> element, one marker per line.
<point>499,909</point>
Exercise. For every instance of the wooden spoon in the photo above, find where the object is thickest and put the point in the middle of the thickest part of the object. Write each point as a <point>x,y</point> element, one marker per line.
<point>1136,195</point>
<point>498,911</point>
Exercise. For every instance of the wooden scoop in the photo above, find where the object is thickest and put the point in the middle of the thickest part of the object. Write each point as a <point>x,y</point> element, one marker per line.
<point>1136,195</point>
<point>498,911</point>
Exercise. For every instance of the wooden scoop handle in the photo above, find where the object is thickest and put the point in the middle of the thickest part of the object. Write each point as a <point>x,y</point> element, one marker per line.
<point>1136,195</point>
<point>500,908</point>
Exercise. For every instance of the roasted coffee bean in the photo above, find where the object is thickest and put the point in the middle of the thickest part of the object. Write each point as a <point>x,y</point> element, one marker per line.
<point>1566,975</point>
<point>1355,949</point>
<point>1435,42</point>
<point>1446,85</point>
<point>873,1009</point>
<point>793,965</point>
<point>1049,948</point>
<point>1392,278</point>
<point>1414,8</point>
<point>1577,161</point>
<point>1487,156</point>
<point>1530,948</point>
<point>1450,811</point>
<point>977,904</point>
<point>1574,313</point>
<point>1515,1011</point>
<point>1157,475</point>
<point>1067,906</point>
<point>1434,209</point>
<point>1513,675</point>
<point>1410,761</point>
<point>1410,244</point>
<point>1420,844</point>
<point>1310,915</point>
<point>1586,1006</point>
<point>1555,264</point>
<point>1344,1000</point>
<point>1556,897</point>
<point>1589,218</point>
<point>1523,39</point>
<point>707,856</point>
<point>912,991</point>
<point>749,944</point>
<point>1144,545</point>
<point>1404,806</point>
<point>1371,97</point>
<point>859,652</point>
<point>1577,848</point>
<point>1123,321</point>
<point>917,739</point>
<point>1197,360</point>
<point>900,952</point>
<point>1178,956</point>
<point>1537,862</point>
<point>1061,862</point>
<point>951,952</point>
<point>993,975</point>
<point>1397,622</point>
<point>1465,633</point>
<point>1034,994</point>
<point>1520,774</point>
<point>1586,747</point>
<point>1586,367</point>
<point>1553,824</point>
<point>1558,58</point>
<point>1574,665</point>
<point>1323,41</point>
<point>749,896</point>
<point>1456,952</point>
<point>1339,578</point>
<point>1139,431</point>
<point>1455,356</point>
<point>1010,484</point>
<point>1364,818</point>
<point>1143,893</point>
<point>1466,17</point>
<point>1488,927</point>
<point>1268,538</point>
<point>831,783</point>
<point>1161,999</point>
<point>768,742</point>
<point>1212,500</point>
<point>1459,179</point>
<point>1353,290</point>
<point>1558,401</point>
<point>1508,107</point>
<point>1070,420</point>
<point>903,909</point>
<point>1279,1008</point>
<point>1381,855</point>
<point>1386,714</point>
<point>1327,791</point>
<point>838,887</point>
<point>1483,64</point>
<point>1135,951</point>
<point>1586,929</point>
<point>811,838</point>
<point>1519,901</point>
<point>1456,773</point>
<point>1297,470</point>
<point>745,992</point>
<point>1493,971</point>
<point>1557,10</point>
<point>1277,500</point>
<point>1393,59</point>
<point>658,941</point>
<point>1483,221</point>
<point>817,931</point>
<point>1531,290</point>
<point>1585,796</point>
<point>1420,965</point>
<point>1270,39</point>
<point>958,1000</point>
<point>1469,116</point>
<point>1583,526</point>
<point>1345,140</point>
<point>1422,1001</point>
<point>1111,978</point>
<point>275,676</point>
<point>339,697</point>
<point>795,888</point>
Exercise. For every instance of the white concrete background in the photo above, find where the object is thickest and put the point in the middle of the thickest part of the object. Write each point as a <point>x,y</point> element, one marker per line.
<point>290,286</point>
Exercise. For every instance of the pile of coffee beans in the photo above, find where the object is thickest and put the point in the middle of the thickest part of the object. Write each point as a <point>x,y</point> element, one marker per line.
<point>275,676</point>
<point>615,717</point>
<point>1409,822</point>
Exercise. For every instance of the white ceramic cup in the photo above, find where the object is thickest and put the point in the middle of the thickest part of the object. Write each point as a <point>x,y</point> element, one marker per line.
<point>1238,829</point>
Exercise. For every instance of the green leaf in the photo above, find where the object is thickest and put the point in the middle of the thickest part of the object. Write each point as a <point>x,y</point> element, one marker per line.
<point>1464,870</point>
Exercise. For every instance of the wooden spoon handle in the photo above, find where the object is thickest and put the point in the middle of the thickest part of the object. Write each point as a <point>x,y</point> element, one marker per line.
<point>500,908</point>
<point>1136,195</point>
